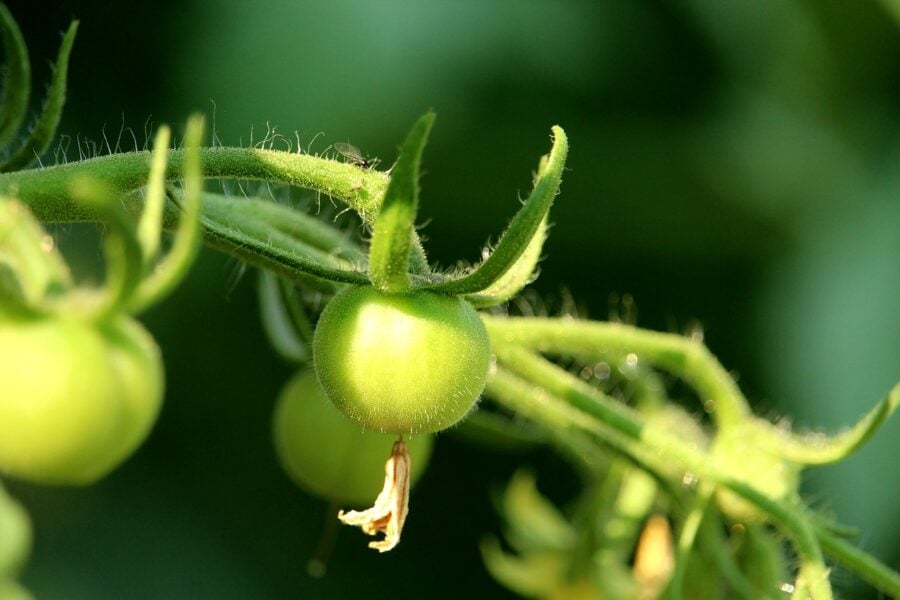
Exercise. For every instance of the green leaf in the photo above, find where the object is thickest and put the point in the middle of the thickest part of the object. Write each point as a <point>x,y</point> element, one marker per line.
<point>30,252</point>
<point>150,226</point>
<point>760,554</point>
<point>394,225</point>
<point>636,494</point>
<point>518,237</point>
<point>301,227</point>
<point>172,269</point>
<point>12,296</point>
<point>532,576</point>
<point>520,274</point>
<point>230,224</point>
<point>16,89</point>
<point>535,524</point>
<point>865,565</point>
<point>122,251</point>
<point>278,309</point>
<point>45,128</point>
<point>820,449</point>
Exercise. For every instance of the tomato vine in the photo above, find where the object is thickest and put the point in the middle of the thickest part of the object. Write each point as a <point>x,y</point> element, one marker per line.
<point>388,347</point>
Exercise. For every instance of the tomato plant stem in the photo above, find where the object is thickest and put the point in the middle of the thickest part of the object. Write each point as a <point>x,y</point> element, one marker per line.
<point>685,357</point>
<point>46,190</point>
<point>556,398</point>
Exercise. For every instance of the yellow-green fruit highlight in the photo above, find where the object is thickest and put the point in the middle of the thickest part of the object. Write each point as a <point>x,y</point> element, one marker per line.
<point>76,398</point>
<point>412,363</point>
<point>328,455</point>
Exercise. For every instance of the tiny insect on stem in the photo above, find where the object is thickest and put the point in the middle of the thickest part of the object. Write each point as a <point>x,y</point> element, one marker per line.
<point>354,155</point>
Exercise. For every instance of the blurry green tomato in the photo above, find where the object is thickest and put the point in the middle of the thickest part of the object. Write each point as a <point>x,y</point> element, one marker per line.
<point>15,537</point>
<point>10,590</point>
<point>76,398</point>
<point>412,363</point>
<point>328,455</point>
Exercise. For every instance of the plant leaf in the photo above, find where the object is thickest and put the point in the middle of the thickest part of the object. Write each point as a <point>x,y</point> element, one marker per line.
<point>172,269</point>
<point>866,566</point>
<point>228,225</point>
<point>17,88</point>
<point>12,296</point>
<point>300,226</point>
<point>30,252</point>
<point>45,128</point>
<point>522,229</point>
<point>277,320</point>
<point>394,225</point>
<point>520,274</point>
<point>535,524</point>
<point>532,575</point>
<point>820,449</point>
<point>150,226</point>
<point>122,251</point>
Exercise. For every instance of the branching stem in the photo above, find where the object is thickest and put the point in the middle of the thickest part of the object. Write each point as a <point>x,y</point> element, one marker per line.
<point>563,402</point>
<point>687,358</point>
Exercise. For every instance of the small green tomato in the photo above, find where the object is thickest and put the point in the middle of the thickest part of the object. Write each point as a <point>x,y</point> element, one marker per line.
<point>15,537</point>
<point>328,455</point>
<point>76,398</point>
<point>412,363</point>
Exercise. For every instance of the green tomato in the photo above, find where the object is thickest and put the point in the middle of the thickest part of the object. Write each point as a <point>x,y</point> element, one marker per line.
<point>328,455</point>
<point>10,590</point>
<point>15,537</point>
<point>413,363</point>
<point>76,398</point>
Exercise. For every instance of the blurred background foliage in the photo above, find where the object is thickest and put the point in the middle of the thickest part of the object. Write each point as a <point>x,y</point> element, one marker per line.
<point>735,165</point>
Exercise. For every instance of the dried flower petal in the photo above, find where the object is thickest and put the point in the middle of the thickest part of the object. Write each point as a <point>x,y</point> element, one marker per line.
<point>392,504</point>
<point>654,559</point>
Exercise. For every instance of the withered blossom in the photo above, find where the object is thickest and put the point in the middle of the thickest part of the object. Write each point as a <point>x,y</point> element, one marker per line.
<point>392,504</point>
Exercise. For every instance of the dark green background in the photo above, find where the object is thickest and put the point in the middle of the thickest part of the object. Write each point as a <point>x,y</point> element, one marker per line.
<point>735,164</point>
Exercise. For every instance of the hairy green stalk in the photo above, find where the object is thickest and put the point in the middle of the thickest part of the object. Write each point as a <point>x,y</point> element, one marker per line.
<point>46,190</point>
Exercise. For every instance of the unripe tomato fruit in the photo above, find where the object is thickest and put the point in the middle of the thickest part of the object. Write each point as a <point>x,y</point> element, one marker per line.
<point>413,363</point>
<point>76,398</point>
<point>328,455</point>
<point>15,537</point>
